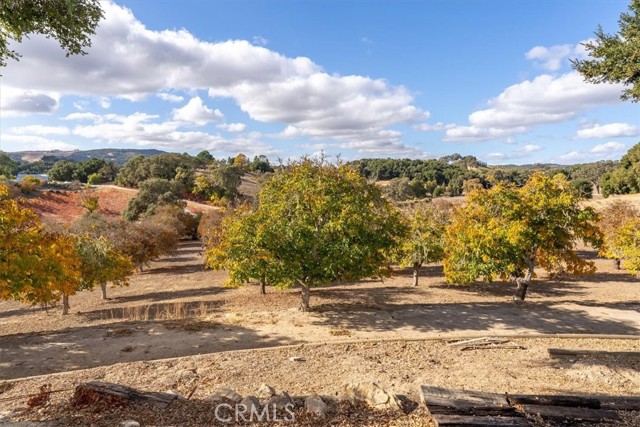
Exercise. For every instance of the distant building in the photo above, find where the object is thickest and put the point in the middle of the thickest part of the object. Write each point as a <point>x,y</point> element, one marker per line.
<point>43,178</point>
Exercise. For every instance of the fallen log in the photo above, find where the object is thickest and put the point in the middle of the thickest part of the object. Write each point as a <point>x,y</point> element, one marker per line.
<point>622,403</point>
<point>554,400</point>
<point>461,402</point>
<point>116,394</point>
<point>562,413</point>
<point>470,421</point>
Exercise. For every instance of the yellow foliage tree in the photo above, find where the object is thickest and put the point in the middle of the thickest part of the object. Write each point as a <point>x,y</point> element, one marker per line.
<point>616,220</point>
<point>507,232</point>
<point>36,266</point>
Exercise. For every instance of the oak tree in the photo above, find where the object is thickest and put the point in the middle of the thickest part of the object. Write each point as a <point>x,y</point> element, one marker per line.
<point>616,57</point>
<point>70,22</point>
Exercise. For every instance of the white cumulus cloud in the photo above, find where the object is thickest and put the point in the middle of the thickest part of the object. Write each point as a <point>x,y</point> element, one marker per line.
<point>197,113</point>
<point>128,60</point>
<point>545,99</point>
<point>610,130</point>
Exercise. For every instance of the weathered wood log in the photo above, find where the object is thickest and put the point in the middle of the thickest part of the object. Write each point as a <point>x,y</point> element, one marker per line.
<point>493,346</point>
<point>571,352</point>
<point>554,400</point>
<point>479,341</point>
<point>461,402</point>
<point>622,403</point>
<point>560,413</point>
<point>470,421</point>
<point>97,391</point>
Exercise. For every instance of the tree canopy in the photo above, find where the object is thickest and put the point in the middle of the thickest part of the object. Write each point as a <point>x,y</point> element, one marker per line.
<point>70,22</point>
<point>507,232</point>
<point>315,223</point>
<point>616,57</point>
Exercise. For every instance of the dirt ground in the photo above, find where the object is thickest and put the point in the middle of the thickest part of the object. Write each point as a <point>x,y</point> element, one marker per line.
<point>175,308</point>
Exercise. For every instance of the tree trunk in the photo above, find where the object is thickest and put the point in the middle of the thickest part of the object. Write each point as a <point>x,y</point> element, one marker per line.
<point>616,263</point>
<point>65,304</point>
<point>523,285</point>
<point>263,285</point>
<point>305,293</point>
<point>416,273</point>
<point>103,287</point>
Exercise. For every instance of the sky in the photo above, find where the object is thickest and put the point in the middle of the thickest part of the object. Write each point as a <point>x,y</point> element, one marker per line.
<point>349,78</point>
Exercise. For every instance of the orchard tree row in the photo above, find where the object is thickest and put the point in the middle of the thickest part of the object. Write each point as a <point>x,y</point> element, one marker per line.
<point>315,223</point>
<point>42,264</point>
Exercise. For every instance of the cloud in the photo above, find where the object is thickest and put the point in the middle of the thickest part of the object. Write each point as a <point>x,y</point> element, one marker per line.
<point>427,127</point>
<point>531,148</point>
<point>260,41</point>
<point>610,130</point>
<point>105,102</point>
<point>145,130</point>
<point>37,143</point>
<point>197,113</point>
<point>609,148</point>
<point>545,99</point>
<point>129,61</point>
<point>233,127</point>
<point>170,97</point>
<point>17,102</point>
<point>40,130</point>
<point>608,151</point>
<point>552,58</point>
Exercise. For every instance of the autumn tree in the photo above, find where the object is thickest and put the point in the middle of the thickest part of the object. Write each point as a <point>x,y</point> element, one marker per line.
<point>101,263</point>
<point>36,266</point>
<point>616,57</point>
<point>508,232</point>
<point>71,23</point>
<point>319,223</point>
<point>424,242</point>
<point>617,222</point>
<point>239,242</point>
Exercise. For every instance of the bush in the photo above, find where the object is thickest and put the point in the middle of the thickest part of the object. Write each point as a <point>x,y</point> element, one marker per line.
<point>29,184</point>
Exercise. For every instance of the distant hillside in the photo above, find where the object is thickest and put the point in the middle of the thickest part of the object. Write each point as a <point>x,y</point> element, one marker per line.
<point>116,155</point>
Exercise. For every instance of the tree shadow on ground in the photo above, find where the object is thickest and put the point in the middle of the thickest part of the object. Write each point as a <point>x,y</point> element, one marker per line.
<point>382,314</point>
<point>170,294</point>
<point>174,269</point>
<point>87,347</point>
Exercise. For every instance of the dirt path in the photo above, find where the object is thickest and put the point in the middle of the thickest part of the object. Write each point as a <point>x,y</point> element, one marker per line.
<point>177,309</point>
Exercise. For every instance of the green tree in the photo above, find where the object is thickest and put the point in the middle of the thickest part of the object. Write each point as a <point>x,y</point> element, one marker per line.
<point>154,192</point>
<point>70,22</point>
<point>322,223</point>
<point>616,57</point>
<point>584,188</point>
<point>7,165</point>
<point>239,242</point>
<point>424,243</point>
<point>101,263</point>
<point>507,232</point>
<point>62,170</point>
<point>204,158</point>
<point>625,179</point>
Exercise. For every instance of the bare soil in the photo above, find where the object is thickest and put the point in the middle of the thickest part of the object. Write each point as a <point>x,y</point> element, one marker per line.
<point>175,308</point>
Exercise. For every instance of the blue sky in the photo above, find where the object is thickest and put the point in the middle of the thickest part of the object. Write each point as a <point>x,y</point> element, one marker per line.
<point>360,79</point>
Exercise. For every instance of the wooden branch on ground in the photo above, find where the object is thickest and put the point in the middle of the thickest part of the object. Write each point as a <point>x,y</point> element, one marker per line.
<point>97,391</point>
<point>470,421</point>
